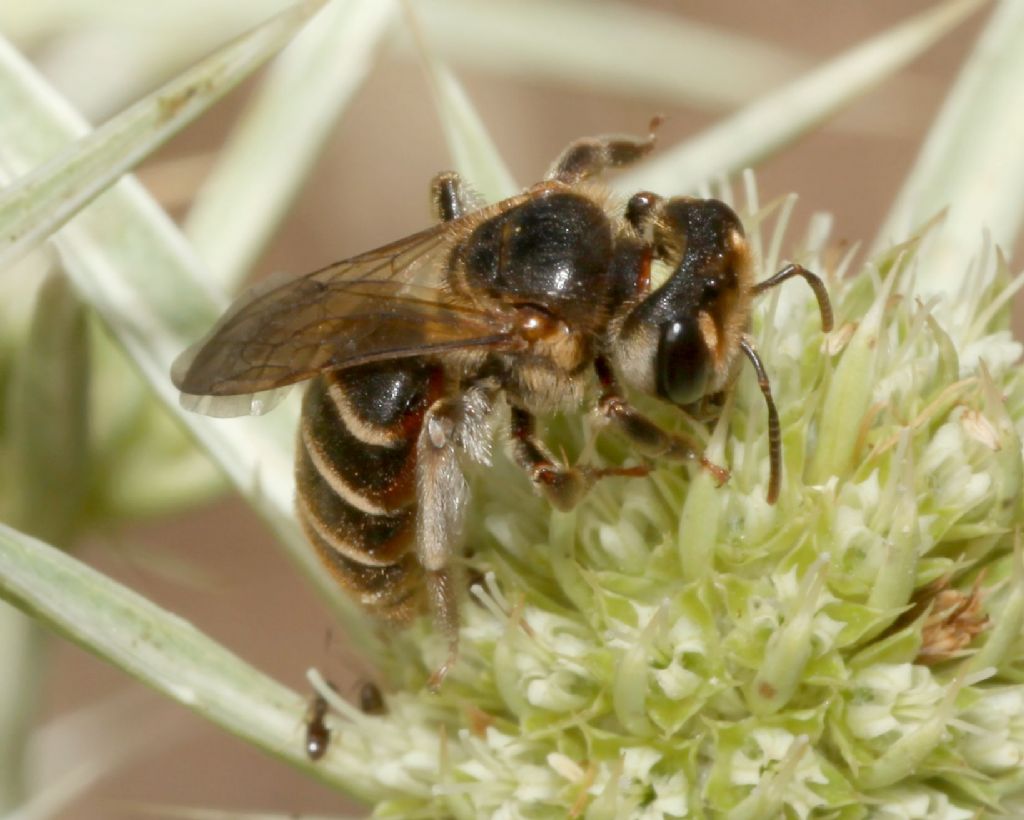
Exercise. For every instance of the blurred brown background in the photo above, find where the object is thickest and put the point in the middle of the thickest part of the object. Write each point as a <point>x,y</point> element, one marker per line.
<point>370,187</point>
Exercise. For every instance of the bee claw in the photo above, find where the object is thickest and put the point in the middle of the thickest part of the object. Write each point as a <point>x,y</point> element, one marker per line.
<point>438,675</point>
<point>719,474</point>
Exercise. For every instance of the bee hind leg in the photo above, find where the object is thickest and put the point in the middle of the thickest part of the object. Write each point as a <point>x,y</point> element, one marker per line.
<point>562,485</point>
<point>443,493</point>
<point>589,157</point>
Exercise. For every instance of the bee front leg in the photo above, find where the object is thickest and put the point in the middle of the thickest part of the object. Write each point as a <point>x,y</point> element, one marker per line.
<point>449,198</point>
<point>650,439</point>
<point>442,497</point>
<point>589,157</point>
<point>562,485</point>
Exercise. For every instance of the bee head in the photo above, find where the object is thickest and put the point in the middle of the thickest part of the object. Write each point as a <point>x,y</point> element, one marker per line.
<point>680,340</point>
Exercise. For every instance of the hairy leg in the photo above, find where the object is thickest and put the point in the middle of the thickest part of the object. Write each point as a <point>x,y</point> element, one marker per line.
<point>449,198</point>
<point>650,439</point>
<point>562,485</point>
<point>443,494</point>
<point>589,157</point>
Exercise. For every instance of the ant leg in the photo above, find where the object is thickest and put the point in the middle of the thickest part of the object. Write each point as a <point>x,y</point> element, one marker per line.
<point>588,157</point>
<point>449,198</point>
<point>443,493</point>
<point>563,486</point>
<point>644,434</point>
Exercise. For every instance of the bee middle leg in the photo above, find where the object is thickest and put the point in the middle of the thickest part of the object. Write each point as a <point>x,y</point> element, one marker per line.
<point>589,157</point>
<point>562,485</point>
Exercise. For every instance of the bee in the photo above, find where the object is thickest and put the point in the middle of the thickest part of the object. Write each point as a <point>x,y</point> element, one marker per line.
<point>552,300</point>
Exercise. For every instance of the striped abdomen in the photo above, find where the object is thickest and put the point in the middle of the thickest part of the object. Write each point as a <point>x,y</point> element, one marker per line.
<point>356,477</point>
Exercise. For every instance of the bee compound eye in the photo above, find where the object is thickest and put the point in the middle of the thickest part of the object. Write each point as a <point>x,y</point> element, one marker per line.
<point>682,362</point>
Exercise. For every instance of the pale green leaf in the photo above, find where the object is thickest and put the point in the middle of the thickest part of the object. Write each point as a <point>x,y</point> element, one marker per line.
<point>47,413</point>
<point>129,262</point>
<point>973,159</point>
<point>781,116</point>
<point>43,200</point>
<point>613,46</point>
<point>163,651</point>
<point>36,20</point>
<point>474,153</point>
<point>21,641</point>
<point>272,150</point>
<point>128,47</point>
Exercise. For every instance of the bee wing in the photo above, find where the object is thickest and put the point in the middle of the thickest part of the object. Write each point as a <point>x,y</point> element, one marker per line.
<point>384,304</point>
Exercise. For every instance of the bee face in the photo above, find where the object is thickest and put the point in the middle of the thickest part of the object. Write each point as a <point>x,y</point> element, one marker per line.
<point>688,328</point>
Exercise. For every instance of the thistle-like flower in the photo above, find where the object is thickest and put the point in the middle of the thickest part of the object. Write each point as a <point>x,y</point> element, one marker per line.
<point>675,649</point>
<point>667,649</point>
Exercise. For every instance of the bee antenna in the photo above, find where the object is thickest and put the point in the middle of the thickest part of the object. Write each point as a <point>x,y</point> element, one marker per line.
<point>812,279</point>
<point>774,431</point>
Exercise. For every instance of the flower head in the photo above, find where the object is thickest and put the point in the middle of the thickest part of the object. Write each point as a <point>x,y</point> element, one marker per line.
<point>671,644</point>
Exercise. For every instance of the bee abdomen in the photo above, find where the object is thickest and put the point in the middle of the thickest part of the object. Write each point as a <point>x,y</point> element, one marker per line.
<point>356,479</point>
